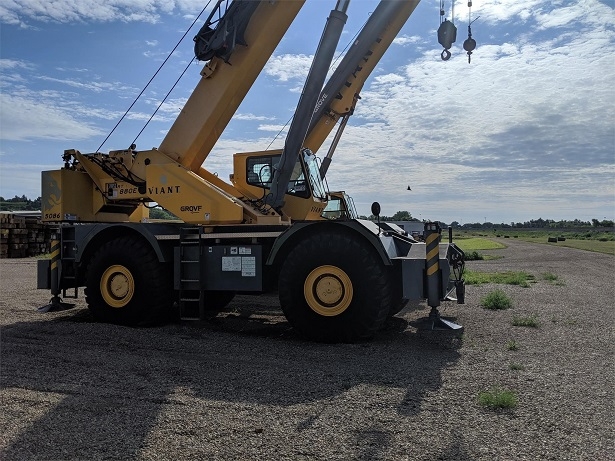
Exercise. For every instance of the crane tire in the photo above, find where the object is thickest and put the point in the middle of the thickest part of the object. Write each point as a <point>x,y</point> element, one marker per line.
<point>334,287</point>
<point>127,285</point>
<point>215,301</point>
<point>398,306</point>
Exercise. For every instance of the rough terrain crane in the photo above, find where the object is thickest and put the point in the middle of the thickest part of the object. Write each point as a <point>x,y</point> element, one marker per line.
<point>336,280</point>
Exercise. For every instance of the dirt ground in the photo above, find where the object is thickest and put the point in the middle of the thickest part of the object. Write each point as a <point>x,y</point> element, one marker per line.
<point>244,387</point>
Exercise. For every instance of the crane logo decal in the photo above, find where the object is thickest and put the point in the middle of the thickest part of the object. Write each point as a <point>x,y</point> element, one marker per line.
<point>51,191</point>
<point>163,190</point>
<point>191,208</point>
<point>320,102</point>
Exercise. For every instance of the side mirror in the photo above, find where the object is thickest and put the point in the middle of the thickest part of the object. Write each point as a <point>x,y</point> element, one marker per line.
<point>376,209</point>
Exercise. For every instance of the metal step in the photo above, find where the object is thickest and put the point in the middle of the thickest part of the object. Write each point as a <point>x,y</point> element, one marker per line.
<point>190,307</point>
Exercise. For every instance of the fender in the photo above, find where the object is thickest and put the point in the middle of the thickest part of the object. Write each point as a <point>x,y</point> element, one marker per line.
<point>367,229</point>
<point>89,238</point>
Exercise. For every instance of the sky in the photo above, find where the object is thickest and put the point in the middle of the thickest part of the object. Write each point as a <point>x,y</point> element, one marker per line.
<point>524,131</point>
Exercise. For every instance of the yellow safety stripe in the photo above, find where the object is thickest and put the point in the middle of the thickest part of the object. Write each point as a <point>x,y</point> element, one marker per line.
<point>55,254</point>
<point>433,253</point>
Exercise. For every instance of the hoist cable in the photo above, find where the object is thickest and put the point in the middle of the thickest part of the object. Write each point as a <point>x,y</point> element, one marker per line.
<point>151,79</point>
<point>441,11</point>
<point>470,44</point>
<point>163,101</point>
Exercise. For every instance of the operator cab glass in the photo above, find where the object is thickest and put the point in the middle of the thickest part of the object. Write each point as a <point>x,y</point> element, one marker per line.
<point>339,206</point>
<point>261,169</point>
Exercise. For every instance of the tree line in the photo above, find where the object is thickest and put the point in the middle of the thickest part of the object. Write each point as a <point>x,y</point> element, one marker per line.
<point>23,203</point>
<point>531,224</point>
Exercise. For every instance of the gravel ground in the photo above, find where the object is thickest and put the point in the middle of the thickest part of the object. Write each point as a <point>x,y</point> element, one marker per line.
<point>244,386</point>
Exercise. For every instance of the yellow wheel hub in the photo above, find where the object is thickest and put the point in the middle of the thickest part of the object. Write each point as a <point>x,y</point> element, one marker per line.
<point>328,290</point>
<point>117,286</point>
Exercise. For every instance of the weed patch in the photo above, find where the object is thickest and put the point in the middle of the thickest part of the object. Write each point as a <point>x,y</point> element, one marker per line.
<point>527,321</point>
<point>516,367</point>
<point>512,345</point>
<point>496,300</point>
<point>473,256</point>
<point>498,398</point>
<point>521,278</point>
<point>552,278</point>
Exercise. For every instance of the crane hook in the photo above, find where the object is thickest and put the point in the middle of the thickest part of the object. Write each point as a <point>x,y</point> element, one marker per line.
<point>447,34</point>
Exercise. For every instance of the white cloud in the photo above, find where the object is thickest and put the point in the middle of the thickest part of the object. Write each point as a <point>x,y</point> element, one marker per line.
<point>21,12</point>
<point>25,119</point>
<point>171,107</point>
<point>248,116</point>
<point>23,179</point>
<point>498,11</point>
<point>407,40</point>
<point>274,128</point>
<point>289,66</point>
<point>90,84</point>
<point>11,64</point>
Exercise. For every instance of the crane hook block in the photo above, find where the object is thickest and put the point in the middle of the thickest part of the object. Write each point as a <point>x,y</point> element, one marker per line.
<point>447,34</point>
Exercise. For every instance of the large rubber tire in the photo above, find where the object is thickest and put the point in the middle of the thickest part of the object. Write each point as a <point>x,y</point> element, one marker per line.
<point>127,285</point>
<point>215,301</point>
<point>334,287</point>
<point>398,306</point>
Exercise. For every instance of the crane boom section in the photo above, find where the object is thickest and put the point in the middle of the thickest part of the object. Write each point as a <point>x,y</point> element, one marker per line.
<point>225,82</point>
<point>342,90</point>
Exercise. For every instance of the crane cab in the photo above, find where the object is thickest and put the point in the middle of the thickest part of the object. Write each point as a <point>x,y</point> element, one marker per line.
<point>306,194</point>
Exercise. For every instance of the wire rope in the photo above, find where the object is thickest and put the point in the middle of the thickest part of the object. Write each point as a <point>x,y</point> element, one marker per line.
<point>152,78</point>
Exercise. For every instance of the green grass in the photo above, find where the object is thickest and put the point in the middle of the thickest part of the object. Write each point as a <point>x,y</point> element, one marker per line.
<point>498,398</point>
<point>478,243</point>
<point>590,240</point>
<point>508,278</point>
<point>588,245</point>
<point>473,256</point>
<point>552,278</point>
<point>526,321</point>
<point>496,300</point>
<point>512,345</point>
<point>549,276</point>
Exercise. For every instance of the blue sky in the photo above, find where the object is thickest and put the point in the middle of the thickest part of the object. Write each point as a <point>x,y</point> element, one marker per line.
<point>526,130</point>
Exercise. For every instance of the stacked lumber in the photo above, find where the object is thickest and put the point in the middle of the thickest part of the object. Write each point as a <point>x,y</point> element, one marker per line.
<point>22,236</point>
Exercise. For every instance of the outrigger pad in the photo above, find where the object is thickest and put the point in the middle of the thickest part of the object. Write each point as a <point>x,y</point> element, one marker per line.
<point>56,305</point>
<point>436,323</point>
